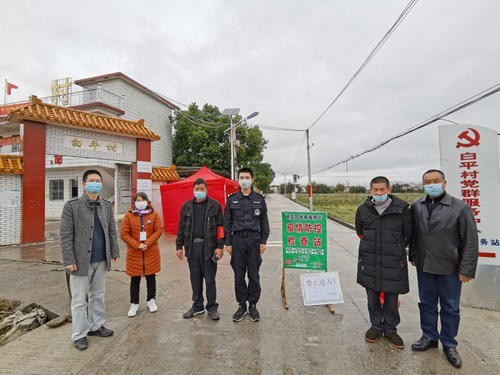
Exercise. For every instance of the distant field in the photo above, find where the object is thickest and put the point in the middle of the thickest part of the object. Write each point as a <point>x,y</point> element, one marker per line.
<point>343,205</point>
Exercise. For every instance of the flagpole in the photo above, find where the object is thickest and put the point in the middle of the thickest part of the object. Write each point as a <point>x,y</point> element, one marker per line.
<point>5,92</point>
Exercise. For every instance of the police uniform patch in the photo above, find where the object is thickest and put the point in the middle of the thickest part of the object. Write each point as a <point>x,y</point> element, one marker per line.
<point>257,212</point>
<point>149,221</point>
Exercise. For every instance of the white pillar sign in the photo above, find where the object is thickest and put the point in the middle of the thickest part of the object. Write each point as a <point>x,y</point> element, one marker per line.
<point>469,159</point>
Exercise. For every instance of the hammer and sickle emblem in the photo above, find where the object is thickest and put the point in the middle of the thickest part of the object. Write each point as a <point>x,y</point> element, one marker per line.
<point>471,141</point>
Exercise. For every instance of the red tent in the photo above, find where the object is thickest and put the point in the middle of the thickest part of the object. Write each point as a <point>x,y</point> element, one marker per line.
<point>175,194</point>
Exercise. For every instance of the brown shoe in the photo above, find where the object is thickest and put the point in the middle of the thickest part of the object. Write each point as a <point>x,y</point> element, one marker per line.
<point>373,334</point>
<point>395,340</point>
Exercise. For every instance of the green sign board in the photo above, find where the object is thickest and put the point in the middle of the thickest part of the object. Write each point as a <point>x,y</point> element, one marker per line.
<point>304,240</point>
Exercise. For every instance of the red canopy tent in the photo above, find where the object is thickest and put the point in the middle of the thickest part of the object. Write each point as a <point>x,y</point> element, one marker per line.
<point>175,194</point>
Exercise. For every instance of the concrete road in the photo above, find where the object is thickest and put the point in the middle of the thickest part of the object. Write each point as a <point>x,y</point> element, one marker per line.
<point>301,340</point>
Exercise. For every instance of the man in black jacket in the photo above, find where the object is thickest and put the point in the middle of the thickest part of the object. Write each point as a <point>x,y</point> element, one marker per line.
<point>383,223</point>
<point>201,234</point>
<point>444,250</point>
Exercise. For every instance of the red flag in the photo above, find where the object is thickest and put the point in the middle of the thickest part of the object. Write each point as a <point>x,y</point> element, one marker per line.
<point>10,86</point>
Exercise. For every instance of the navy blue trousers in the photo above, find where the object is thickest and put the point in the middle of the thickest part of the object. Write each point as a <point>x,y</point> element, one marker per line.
<point>446,290</point>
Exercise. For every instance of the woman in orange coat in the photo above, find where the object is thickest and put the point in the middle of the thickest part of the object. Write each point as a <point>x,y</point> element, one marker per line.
<point>141,229</point>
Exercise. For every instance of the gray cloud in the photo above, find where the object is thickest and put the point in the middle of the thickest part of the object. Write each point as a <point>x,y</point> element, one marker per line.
<point>285,59</point>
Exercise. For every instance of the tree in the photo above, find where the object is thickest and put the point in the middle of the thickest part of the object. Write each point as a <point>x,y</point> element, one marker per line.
<point>339,188</point>
<point>357,189</point>
<point>321,188</point>
<point>200,139</point>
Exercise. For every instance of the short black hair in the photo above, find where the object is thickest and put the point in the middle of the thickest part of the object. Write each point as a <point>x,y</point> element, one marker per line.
<point>380,179</point>
<point>434,170</point>
<point>245,170</point>
<point>200,181</point>
<point>89,172</point>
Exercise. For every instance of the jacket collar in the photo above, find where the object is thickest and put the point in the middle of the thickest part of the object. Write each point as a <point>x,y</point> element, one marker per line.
<point>89,202</point>
<point>445,200</point>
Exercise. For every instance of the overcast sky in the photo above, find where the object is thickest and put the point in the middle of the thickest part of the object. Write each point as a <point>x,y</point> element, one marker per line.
<point>284,59</point>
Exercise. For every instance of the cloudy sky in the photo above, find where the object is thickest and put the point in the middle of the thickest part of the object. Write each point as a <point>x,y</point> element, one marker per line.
<point>285,59</point>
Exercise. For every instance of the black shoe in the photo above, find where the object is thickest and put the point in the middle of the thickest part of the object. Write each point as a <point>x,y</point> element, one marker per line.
<point>213,314</point>
<point>81,344</point>
<point>101,332</point>
<point>240,313</point>
<point>395,340</point>
<point>254,313</point>
<point>373,334</point>
<point>423,344</point>
<point>192,312</point>
<point>452,356</point>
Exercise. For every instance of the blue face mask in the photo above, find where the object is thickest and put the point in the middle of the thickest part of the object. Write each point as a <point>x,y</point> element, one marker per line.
<point>200,195</point>
<point>380,198</point>
<point>93,187</point>
<point>433,190</point>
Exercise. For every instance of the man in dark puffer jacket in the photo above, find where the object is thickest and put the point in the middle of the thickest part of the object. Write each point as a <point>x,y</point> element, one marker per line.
<point>384,225</point>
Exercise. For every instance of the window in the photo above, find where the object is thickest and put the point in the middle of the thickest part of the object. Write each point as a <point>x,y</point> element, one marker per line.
<point>74,189</point>
<point>56,190</point>
<point>15,147</point>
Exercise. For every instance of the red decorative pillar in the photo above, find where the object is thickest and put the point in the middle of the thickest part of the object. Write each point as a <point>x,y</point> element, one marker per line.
<point>143,155</point>
<point>33,185</point>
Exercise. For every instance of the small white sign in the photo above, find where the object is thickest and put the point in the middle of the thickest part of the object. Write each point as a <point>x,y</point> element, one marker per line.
<point>145,186</point>
<point>10,199</point>
<point>125,196</point>
<point>321,288</point>
<point>144,167</point>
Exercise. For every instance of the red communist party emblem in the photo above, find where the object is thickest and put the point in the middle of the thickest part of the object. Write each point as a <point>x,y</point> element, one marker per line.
<point>471,138</point>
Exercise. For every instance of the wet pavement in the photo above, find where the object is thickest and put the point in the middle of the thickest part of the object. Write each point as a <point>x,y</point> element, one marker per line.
<point>301,340</point>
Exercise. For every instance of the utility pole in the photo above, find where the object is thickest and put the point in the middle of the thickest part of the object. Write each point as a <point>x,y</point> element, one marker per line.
<point>231,138</point>
<point>309,183</point>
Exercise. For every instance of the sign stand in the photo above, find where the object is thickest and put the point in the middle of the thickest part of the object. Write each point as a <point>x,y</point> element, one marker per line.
<point>304,245</point>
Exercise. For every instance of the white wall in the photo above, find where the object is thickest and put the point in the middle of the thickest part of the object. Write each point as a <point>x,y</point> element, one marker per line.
<point>10,217</point>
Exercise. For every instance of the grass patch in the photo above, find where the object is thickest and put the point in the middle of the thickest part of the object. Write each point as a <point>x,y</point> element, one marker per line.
<point>344,205</point>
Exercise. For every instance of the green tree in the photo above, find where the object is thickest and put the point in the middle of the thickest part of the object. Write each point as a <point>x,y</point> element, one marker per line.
<point>339,188</point>
<point>200,139</point>
<point>357,189</point>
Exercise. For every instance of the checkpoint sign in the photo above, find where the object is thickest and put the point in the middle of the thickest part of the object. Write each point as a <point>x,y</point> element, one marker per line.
<point>304,240</point>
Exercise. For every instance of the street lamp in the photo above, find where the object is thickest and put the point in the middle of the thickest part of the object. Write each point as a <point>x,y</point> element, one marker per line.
<point>232,135</point>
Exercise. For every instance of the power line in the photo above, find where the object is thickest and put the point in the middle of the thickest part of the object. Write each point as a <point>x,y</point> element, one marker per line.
<point>372,54</point>
<point>457,107</point>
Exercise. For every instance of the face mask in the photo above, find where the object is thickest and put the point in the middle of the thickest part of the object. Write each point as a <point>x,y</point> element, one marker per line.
<point>141,205</point>
<point>380,198</point>
<point>433,190</point>
<point>200,195</point>
<point>245,184</point>
<point>93,187</point>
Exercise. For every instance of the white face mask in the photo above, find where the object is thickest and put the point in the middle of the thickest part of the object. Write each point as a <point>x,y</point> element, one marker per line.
<point>141,205</point>
<point>245,184</point>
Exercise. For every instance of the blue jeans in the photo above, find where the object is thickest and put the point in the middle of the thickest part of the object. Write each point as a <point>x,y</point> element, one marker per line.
<point>446,289</point>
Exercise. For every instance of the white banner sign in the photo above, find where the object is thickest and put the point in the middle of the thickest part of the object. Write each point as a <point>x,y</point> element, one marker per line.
<point>469,159</point>
<point>321,288</point>
<point>144,167</point>
<point>79,143</point>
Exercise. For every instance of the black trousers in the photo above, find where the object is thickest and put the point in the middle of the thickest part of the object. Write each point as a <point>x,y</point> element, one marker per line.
<point>246,259</point>
<point>135,283</point>
<point>202,268</point>
<point>383,317</point>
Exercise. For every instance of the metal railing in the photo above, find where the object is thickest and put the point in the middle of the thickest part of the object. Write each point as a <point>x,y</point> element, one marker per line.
<point>83,97</point>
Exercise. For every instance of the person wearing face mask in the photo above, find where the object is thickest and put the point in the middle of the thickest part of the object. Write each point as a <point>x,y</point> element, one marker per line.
<point>141,229</point>
<point>88,244</point>
<point>444,250</point>
<point>201,235</point>
<point>383,223</point>
<point>246,229</point>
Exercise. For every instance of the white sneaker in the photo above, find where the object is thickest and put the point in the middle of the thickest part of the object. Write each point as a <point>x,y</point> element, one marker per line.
<point>133,310</point>
<point>152,305</point>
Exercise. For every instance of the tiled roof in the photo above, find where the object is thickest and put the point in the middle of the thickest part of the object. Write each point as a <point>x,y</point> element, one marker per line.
<point>38,111</point>
<point>165,174</point>
<point>11,164</point>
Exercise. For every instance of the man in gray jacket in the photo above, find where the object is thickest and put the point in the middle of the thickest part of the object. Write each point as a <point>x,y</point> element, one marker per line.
<point>444,250</point>
<point>88,243</point>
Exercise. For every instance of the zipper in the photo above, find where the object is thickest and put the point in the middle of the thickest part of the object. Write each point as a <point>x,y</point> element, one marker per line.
<point>143,264</point>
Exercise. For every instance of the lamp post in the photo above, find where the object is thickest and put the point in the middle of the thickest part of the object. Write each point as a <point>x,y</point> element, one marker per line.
<point>232,134</point>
